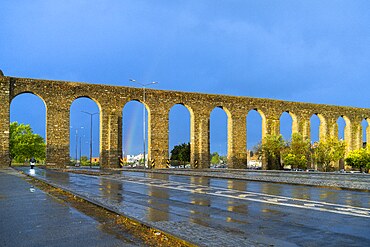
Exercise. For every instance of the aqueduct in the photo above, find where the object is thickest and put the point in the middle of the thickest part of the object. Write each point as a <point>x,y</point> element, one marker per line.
<point>59,95</point>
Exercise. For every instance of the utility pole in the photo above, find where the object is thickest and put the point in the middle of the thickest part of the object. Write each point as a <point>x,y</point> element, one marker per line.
<point>144,120</point>
<point>91,115</point>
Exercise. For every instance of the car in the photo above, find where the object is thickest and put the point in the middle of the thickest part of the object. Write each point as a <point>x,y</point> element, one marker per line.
<point>297,170</point>
<point>311,170</point>
<point>354,172</point>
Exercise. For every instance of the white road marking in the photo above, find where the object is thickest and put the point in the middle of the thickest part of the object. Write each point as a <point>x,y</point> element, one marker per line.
<point>253,196</point>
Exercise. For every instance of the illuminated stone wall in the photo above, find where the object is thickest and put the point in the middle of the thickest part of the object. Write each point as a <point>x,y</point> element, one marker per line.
<point>59,95</point>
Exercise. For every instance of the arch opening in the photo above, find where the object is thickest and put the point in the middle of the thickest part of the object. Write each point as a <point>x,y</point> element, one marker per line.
<point>179,136</point>
<point>286,125</point>
<point>28,109</point>
<point>219,137</point>
<point>135,133</point>
<point>365,128</point>
<point>341,128</point>
<point>254,138</point>
<point>84,132</point>
<point>315,128</point>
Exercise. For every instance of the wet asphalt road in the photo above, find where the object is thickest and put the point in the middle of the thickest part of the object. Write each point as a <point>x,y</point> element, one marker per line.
<point>267,213</point>
<point>30,217</point>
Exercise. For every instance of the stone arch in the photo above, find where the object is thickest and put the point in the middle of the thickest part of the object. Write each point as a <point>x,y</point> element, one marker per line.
<point>257,113</point>
<point>315,123</point>
<point>219,148</point>
<point>255,121</point>
<point>30,109</point>
<point>182,124</point>
<point>146,104</point>
<point>294,124</point>
<point>83,128</point>
<point>132,118</point>
<point>29,92</point>
<point>187,106</point>
<point>95,100</point>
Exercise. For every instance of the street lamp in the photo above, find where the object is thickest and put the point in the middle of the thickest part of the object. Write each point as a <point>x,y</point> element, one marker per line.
<point>81,145</point>
<point>91,115</point>
<point>144,129</point>
<point>76,145</point>
<point>76,136</point>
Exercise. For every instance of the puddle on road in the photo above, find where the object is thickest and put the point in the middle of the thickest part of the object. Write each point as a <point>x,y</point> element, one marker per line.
<point>125,229</point>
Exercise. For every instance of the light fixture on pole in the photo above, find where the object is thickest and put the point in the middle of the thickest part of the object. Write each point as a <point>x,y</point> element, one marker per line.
<point>91,115</point>
<point>76,146</point>
<point>144,120</point>
<point>81,144</point>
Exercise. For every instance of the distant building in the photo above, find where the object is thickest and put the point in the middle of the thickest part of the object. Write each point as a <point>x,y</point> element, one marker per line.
<point>95,160</point>
<point>135,158</point>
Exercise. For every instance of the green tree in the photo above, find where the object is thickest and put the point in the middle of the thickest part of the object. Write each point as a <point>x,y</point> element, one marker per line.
<point>215,158</point>
<point>272,146</point>
<point>181,153</point>
<point>359,158</point>
<point>297,153</point>
<point>24,144</point>
<point>84,161</point>
<point>329,151</point>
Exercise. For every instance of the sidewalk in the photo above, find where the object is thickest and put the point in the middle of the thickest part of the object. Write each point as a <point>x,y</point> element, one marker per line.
<point>30,217</point>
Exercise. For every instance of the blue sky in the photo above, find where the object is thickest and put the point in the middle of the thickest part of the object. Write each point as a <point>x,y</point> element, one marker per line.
<point>310,51</point>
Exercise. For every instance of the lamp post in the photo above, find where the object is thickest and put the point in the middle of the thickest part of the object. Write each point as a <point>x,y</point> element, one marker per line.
<point>81,144</point>
<point>91,115</point>
<point>80,149</point>
<point>144,121</point>
<point>76,136</point>
<point>76,145</point>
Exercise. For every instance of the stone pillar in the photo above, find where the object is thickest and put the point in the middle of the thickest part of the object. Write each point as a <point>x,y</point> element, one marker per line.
<point>111,137</point>
<point>356,134</point>
<point>158,136</point>
<point>270,126</point>
<point>368,133</point>
<point>4,121</point>
<point>199,133</point>
<point>57,132</point>
<point>348,135</point>
<point>237,141</point>
<point>303,126</point>
<point>332,128</point>
<point>323,128</point>
<point>332,132</point>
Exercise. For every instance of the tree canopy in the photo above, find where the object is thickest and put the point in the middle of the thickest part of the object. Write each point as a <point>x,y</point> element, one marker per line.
<point>329,151</point>
<point>181,152</point>
<point>24,144</point>
<point>215,158</point>
<point>297,152</point>
<point>272,145</point>
<point>359,158</point>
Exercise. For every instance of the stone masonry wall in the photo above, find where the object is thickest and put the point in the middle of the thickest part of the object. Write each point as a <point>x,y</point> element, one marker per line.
<point>59,95</point>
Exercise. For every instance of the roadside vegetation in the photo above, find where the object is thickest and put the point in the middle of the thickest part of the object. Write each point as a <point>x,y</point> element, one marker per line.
<point>299,153</point>
<point>24,144</point>
<point>360,159</point>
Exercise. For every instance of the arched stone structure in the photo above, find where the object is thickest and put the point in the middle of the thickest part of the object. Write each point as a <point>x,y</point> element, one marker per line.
<point>59,95</point>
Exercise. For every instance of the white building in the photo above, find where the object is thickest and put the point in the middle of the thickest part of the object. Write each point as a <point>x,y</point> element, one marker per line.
<point>135,158</point>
